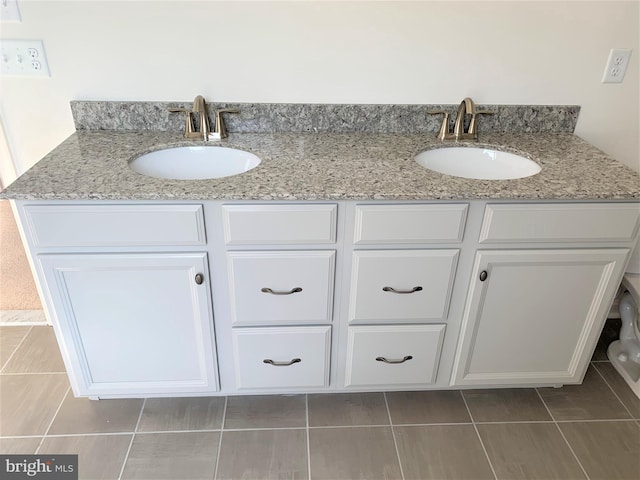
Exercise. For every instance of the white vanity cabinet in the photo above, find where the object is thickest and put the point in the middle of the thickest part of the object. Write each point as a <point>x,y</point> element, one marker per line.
<point>537,300</point>
<point>280,277</point>
<point>130,321</point>
<point>400,291</point>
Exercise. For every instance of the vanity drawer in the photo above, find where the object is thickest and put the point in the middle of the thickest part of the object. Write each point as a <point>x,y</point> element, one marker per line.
<point>401,285</point>
<point>287,357</point>
<point>283,287</point>
<point>409,223</point>
<point>571,222</point>
<point>279,224</point>
<point>400,355</point>
<point>114,225</point>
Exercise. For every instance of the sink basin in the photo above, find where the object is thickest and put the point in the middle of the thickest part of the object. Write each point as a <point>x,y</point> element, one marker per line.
<point>194,163</point>
<point>479,163</point>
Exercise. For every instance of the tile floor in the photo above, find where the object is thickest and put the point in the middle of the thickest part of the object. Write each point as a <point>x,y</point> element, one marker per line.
<point>575,432</point>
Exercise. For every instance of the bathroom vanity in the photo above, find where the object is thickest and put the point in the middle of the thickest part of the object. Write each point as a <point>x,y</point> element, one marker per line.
<point>338,264</point>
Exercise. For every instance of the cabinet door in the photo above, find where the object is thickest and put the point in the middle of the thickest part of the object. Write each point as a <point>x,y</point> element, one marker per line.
<point>536,316</point>
<point>134,324</point>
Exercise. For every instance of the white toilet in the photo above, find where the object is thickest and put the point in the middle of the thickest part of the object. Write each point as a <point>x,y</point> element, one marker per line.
<point>625,352</point>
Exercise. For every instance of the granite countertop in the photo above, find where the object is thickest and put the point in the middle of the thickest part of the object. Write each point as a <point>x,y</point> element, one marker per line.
<point>93,165</point>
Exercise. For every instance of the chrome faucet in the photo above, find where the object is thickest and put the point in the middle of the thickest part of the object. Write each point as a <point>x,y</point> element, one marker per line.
<point>205,133</point>
<point>466,107</point>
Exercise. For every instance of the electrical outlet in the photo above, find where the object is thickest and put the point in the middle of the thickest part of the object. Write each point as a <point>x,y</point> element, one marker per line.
<point>23,58</point>
<point>616,65</point>
<point>9,11</point>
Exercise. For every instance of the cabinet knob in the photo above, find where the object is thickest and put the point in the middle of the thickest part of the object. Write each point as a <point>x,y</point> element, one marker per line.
<point>390,360</point>
<point>281,364</point>
<point>199,278</point>
<point>273,292</point>
<point>391,289</point>
<point>483,275</point>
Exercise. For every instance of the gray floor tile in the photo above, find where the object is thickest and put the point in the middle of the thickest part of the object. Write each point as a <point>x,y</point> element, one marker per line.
<point>529,451</point>
<point>506,405</point>
<point>99,456</point>
<point>427,407</point>
<point>29,402</point>
<point>263,454</point>
<point>38,353</point>
<point>19,446</point>
<point>81,415</point>
<point>343,409</point>
<point>266,411</point>
<point>620,387</point>
<point>606,450</point>
<point>439,452</point>
<point>351,453</point>
<point>197,413</point>
<point>172,456</point>
<point>592,400</point>
<point>10,338</point>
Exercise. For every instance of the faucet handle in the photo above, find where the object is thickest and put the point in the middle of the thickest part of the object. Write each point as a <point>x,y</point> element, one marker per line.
<point>473,125</point>
<point>219,130</point>
<point>444,128</point>
<point>188,125</point>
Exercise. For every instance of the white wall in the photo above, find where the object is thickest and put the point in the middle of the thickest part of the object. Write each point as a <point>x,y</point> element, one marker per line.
<point>326,52</point>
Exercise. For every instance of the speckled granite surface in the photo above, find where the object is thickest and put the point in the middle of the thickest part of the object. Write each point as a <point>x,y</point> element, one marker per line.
<point>319,118</point>
<point>94,165</point>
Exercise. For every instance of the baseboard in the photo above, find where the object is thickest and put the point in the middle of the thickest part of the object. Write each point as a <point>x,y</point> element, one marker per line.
<point>14,318</point>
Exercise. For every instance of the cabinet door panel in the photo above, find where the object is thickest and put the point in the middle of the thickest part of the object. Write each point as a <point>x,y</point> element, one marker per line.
<point>534,319</point>
<point>138,323</point>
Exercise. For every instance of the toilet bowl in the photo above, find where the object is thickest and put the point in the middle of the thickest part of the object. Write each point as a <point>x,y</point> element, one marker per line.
<point>624,353</point>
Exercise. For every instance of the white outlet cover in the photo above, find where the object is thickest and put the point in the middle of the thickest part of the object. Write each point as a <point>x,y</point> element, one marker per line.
<point>23,58</point>
<point>9,11</point>
<point>616,65</point>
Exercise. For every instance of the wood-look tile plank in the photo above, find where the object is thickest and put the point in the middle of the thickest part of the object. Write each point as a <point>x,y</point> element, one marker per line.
<point>529,451</point>
<point>19,446</point>
<point>10,338</point>
<point>620,387</point>
<point>263,454</point>
<point>196,413</point>
<point>353,453</point>
<point>266,411</point>
<point>506,405</point>
<point>607,450</point>
<point>343,409</point>
<point>99,456</point>
<point>38,353</point>
<point>427,407</point>
<point>171,456</point>
<point>442,452</point>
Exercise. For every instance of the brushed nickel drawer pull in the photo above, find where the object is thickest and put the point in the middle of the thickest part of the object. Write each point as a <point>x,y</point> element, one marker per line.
<point>391,289</point>
<point>281,364</point>
<point>386,360</point>
<point>273,292</point>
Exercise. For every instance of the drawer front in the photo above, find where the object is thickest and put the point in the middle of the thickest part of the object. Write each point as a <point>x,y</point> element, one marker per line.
<point>401,286</point>
<point>270,288</point>
<point>409,223</point>
<point>287,357</point>
<point>279,224</point>
<point>114,225</point>
<point>574,222</point>
<point>402,355</point>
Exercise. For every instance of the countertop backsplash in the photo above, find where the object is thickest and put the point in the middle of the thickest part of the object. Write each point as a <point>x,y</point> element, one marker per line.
<point>321,118</point>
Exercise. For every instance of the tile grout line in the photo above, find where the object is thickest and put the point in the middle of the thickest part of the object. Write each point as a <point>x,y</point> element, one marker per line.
<point>306,402</point>
<point>612,390</point>
<point>393,434</point>
<point>562,434</point>
<point>53,418</point>
<point>224,417</point>
<point>135,430</point>
<point>15,350</point>
<point>475,428</point>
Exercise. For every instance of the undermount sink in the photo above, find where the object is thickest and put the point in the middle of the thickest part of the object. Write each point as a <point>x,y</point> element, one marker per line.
<point>194,163</point>
<point>478,163</point>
